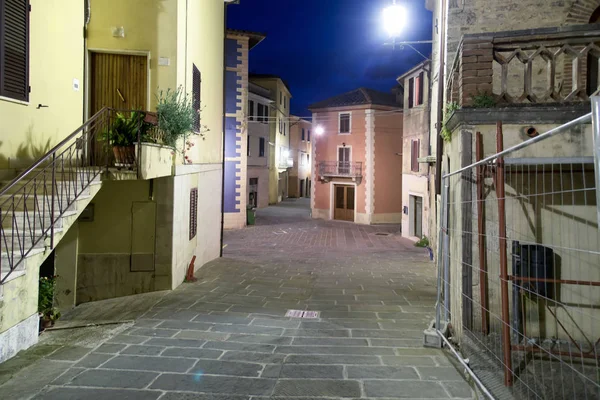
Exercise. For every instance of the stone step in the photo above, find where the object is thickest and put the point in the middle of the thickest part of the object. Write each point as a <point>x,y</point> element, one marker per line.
<point>42,203</point>
<point>30,219</point>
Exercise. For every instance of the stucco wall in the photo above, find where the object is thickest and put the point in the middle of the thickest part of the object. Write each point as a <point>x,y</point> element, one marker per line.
<point>116,250</point>
<point>26,133</point>
<point>326,149</point>
<point>388,166</point>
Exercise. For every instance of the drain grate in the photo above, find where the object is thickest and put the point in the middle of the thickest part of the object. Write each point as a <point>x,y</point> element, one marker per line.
<point>383,234</point>
<point>302,314</point>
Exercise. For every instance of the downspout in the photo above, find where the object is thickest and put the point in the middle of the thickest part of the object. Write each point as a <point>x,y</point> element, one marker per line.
<point>440,116</point>
<point>224,126</point>
<point>87,15</point>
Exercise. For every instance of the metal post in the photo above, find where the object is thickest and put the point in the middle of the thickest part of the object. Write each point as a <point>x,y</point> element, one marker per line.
<point>445,223</point>
<point>596,147</point>
<point>481,234</point>
<point>53,194</point>
<point>506,345</point>
<point>440,264</point>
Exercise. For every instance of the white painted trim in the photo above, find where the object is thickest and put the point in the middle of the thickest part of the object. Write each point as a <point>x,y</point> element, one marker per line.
<point>313,169</point>
<point>340,123</point>
<point>332,197</point>
<point>370,163</point>
<point>15,101</point>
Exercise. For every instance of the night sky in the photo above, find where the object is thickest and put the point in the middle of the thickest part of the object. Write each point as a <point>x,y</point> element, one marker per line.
<point>328,47</point>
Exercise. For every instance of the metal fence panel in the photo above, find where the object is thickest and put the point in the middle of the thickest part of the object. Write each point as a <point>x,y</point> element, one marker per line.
<point>519,264</point>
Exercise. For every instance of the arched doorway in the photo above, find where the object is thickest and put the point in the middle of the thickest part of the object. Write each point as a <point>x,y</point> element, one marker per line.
<point>592,61</point>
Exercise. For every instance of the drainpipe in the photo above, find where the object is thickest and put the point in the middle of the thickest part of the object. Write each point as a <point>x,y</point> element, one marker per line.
<point>440,116</point>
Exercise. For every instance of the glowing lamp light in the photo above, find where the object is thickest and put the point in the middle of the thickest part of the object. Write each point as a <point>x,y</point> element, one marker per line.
<point>319,130</point>
<point>394,18</point>
<point>286,154</point>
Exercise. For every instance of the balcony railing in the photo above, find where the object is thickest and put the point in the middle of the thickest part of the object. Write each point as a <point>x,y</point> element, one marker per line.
<point>340,169</point>
<point>285,163</point>
<point>551,65</point>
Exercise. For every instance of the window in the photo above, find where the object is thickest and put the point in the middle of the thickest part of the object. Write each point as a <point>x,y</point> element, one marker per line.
<point>193,212</point>
<point>284,101</point>
<point>344,122</point>
<point>251,110</point>
<point>308,138</point>
<point>411,92</point>
<point>266,114</point>
<point>280,126</point>
<point>261,147</point>
<point>303,134</point>
<point>301,158</point>
<point>196,92</point>
<point>414,155</point>
<point>248,146</point>
<point>415,90</point>
<point>14,49</point>
<point>260,113</point>
<point>280,98</point>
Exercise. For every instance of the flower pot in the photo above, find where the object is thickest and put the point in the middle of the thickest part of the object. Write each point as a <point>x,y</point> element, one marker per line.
<point>45,323</point>
<point>124,156</point>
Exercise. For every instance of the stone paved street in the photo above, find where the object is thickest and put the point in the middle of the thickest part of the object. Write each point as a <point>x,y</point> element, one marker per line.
<point>227,337</point>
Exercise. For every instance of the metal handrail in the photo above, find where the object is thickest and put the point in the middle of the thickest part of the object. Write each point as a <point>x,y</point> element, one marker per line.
<point>340,168</point>
<point>30,213</point>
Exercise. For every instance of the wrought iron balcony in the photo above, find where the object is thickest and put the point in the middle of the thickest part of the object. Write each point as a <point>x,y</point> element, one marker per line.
<point>285,163</point>
<point>340,169</point>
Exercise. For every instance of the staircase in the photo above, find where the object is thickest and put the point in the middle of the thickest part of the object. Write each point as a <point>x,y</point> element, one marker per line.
<point>43,201</point>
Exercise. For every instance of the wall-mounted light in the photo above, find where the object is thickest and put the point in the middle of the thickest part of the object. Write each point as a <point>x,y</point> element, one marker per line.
<point>531,132</point>
<point>319,130</point>
<point>118,32</point>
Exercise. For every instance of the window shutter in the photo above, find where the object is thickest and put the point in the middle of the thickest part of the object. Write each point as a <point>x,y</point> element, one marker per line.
<point>193,212</point>
<point>14,49</point>
<point>414,155</point>
<point>196,92</point>
<point>411,92</point>
<point>420,88</point>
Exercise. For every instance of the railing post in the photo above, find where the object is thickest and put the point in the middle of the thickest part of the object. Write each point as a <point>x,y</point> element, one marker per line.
<point>506,343</point>
<point>596,148</point>
<point>481,234</point>
<point>52,194</point>
<point>139,143</point>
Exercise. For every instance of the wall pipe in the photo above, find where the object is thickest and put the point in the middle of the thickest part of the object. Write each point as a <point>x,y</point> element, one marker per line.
<point>481,232</point>
<point>506,346</point>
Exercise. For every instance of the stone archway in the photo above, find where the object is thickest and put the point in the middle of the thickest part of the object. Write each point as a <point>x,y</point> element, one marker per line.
<point>581,12</point>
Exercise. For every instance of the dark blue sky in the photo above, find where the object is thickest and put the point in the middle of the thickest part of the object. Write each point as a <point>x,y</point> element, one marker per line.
<point>327,47</point>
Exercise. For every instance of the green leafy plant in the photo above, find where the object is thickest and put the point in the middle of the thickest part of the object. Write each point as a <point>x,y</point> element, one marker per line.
<point>176,115</point>
<point>484,100</point>
<point>450,108</point>
<point>124,129</point>
<point>46,298</point>
<point>423,242</point>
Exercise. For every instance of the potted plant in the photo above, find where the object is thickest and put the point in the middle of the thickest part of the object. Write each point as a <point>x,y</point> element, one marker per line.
<point>123,134</point>
<point>47,312</point>
<point>175,117</point>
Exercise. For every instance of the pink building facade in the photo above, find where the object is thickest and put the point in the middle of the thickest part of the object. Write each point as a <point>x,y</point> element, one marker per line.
<point>357,158</point>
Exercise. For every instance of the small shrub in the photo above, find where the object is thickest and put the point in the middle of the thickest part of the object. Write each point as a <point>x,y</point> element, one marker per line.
<point>176,115</point>
<point>46,298</point>
<point>423,242</point>
<point>450,108</point>
<point>484,100</point>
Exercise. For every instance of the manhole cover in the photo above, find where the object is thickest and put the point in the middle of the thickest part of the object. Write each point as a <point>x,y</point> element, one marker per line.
<point>383,234</point>
<point>302,314</point>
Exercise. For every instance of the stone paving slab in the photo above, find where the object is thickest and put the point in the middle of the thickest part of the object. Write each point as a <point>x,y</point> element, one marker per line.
<point>226,337</point>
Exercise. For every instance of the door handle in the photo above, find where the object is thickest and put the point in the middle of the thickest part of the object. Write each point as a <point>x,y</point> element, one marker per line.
<point>121,95</point>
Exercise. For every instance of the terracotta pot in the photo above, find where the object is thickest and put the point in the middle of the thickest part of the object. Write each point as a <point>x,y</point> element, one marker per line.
<point>124,155</point>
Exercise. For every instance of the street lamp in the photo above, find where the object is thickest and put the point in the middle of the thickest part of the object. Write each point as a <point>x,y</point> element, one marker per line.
<point>319,130</point>
<point>394,18</point>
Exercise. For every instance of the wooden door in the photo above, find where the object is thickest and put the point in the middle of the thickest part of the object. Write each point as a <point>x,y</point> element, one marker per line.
<point>344,203</point>
<point>301,194</point>
<point>418,224</point>
<point>119,81</point>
